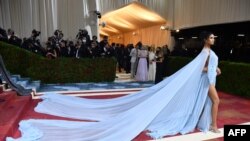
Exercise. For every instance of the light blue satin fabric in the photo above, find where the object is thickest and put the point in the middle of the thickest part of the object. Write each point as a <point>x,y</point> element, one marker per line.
<point>178,104</point>
<point>212,66</point>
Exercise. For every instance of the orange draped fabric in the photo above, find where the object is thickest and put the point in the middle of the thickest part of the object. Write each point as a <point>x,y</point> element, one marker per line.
<point>148,36</point>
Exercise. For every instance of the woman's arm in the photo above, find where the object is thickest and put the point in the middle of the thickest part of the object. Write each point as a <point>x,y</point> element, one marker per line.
<point>218,71</point>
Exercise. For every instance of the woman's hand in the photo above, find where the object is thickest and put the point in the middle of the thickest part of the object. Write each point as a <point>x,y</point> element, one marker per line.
<point>218,71</point>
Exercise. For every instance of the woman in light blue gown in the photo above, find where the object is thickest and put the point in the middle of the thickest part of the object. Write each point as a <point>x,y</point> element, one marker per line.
<point>213,61</point>
<point>180,103</point>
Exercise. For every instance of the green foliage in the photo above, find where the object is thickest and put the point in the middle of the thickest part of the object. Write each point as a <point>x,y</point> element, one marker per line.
<point>61,70</point>
<point>235,77</point>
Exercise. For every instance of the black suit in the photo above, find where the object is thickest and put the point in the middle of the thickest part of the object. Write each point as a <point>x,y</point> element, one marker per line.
<point>14,40</point>
<point>3,35</point>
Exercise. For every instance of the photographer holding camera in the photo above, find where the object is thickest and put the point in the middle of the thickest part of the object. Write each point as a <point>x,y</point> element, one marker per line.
<point>83,36</point>
<point>57,37</point>
<point>13,39</point>
<point>33,44</point>
<point>56,40</point>
<point>84,39</point>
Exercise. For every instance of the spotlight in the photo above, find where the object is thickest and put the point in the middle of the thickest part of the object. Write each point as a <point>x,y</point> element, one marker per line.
<point>162,27</point>
<point>165,27</point>
<point>241,35</point>
<point>134,33</point>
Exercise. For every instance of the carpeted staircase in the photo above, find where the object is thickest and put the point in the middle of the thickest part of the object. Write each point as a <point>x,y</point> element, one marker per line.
<point>25,82</point>
<point>122,82</point>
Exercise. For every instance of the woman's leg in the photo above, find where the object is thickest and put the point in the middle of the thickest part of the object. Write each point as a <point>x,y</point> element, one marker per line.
<point>215,104</point>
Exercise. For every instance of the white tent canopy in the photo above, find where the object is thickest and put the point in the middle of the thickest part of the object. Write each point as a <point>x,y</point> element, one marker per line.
<point>128,18</point>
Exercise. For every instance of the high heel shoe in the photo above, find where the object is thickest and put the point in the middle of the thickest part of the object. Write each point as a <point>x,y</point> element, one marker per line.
<point>214,130</point>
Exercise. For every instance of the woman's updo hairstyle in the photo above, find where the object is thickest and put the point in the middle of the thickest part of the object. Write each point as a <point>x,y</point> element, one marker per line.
<point>204,35</point>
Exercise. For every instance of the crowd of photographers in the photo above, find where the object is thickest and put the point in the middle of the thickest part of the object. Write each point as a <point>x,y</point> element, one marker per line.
<point>56,46</point>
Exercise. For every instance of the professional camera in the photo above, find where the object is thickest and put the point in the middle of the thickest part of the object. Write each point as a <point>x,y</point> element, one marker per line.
<point>35,33</point>
<point>98,14</point>
<point>57,32</point>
